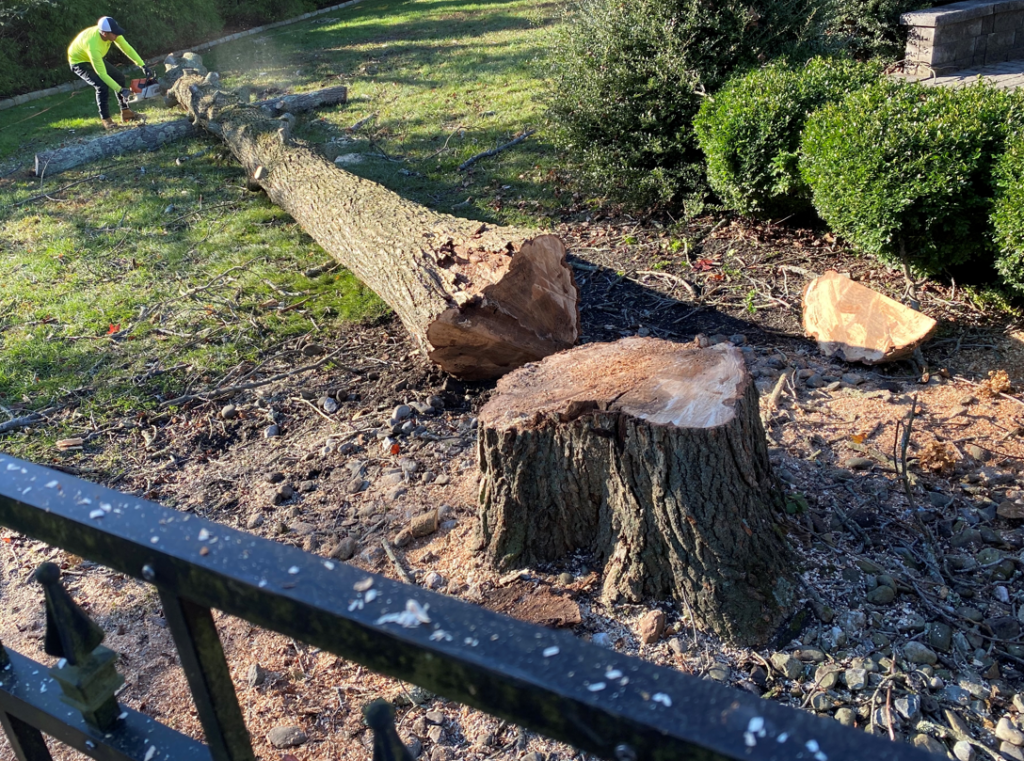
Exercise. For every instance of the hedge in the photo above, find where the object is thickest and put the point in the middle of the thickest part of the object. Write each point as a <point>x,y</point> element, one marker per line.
<point>629,77</point>
<point>904,171</point>
<point>1008,213</point>
<point>750,130</point>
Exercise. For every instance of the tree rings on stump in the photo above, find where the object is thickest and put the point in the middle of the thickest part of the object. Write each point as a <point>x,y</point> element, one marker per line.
<point>651,456</point>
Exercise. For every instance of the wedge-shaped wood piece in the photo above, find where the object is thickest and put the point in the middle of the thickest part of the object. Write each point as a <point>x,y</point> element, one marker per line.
<point>857,324</point>
<point>650,456</point>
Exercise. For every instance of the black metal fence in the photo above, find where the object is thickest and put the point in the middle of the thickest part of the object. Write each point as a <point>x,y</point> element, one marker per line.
<point>595,699</point>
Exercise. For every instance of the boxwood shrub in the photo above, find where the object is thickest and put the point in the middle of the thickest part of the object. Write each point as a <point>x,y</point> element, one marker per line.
<point>750,130</point>
<point>904,171</point>
<point>1008,213</point>
<point>628,79</point>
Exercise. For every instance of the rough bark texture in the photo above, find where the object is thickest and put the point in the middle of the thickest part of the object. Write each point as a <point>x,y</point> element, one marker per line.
<point>142,138</point>
<point>651,456</point>
<point>149,138</point>
<point>480,300</point>
<point>857,324</point>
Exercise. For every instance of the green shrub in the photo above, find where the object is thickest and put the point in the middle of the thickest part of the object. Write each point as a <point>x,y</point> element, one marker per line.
<point>905,172</point>
<point>872,29</point>
<point>628,80</point>
<point>750,130</point>
<point>1008,213</point>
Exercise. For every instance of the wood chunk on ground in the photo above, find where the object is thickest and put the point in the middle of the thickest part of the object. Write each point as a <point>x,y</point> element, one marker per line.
<point>858,324</point>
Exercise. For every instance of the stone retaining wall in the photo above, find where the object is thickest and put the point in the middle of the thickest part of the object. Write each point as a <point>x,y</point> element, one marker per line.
<point>964,35</point>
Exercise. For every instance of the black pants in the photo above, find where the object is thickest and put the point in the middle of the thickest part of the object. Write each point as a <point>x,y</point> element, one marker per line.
<point>88,73</point>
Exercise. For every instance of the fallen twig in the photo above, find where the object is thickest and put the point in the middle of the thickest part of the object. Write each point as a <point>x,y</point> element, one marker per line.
<point>473,159</point>
<point>227,391</point>
<point>396,562</point>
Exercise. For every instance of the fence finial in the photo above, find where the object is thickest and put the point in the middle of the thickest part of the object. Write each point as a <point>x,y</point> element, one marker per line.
<point>387,745</point>
<point>88,679</point>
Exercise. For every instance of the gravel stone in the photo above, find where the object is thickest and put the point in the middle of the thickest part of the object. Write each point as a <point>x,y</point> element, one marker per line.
<point>909,707</point>
<point>401,412</point>
<point>1011,751</point>
<point>228,412</point>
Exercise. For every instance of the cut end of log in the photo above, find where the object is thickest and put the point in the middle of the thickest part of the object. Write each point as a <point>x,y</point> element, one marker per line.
<point>660,382</point>
<point>526,314</point>
<point>858,324</point>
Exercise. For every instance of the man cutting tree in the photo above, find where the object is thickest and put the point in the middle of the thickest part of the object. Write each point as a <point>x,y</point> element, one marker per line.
<point>86,54</point>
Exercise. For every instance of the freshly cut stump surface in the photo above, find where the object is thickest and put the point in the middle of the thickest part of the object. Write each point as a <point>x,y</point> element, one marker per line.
<point>651,456</point>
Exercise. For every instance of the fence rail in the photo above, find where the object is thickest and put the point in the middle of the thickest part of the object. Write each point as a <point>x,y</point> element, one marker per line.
<point>600,701</point>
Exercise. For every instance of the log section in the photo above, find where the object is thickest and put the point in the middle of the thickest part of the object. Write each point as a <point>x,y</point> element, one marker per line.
<point>480,300</point>
<point>149,138</point>
<point>651,456</point>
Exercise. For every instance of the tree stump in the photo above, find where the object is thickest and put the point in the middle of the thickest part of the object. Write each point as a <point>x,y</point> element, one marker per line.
<point>651,456</point>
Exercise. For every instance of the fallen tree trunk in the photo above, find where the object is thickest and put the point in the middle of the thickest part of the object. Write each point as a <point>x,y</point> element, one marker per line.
<point>651,456</point>
<point>149,138</point>
<point>480,300</point>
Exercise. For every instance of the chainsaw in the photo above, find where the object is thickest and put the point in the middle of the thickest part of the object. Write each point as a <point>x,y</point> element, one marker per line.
<point>145,88</point>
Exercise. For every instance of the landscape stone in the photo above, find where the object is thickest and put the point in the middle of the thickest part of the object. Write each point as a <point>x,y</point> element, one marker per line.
<point>956,694</point>
<point>915,652</point>
<point>1007,732</point>
<point>856,679</point>
<point>909,707</point>
<point>826,677</point>
<point>882,595</point>
<point>858,463</point>
<point>286,737</point>
<point>1004,627</point>
<point>651,626</point>
<point>787,665</point>
<point>929,743</point>
<point>940,636</point>
<point>846,716</point>
<point>1011,751</point>
<point>964,751</point>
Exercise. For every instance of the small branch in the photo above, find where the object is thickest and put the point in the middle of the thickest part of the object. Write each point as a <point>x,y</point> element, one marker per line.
<point>470,161</point>
<point>227,391</point>
<point>397,563</point>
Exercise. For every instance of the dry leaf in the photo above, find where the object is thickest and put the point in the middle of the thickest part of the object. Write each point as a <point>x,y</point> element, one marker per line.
<point>937,457</point>
<point>70,443</point>
<point>998,382</point>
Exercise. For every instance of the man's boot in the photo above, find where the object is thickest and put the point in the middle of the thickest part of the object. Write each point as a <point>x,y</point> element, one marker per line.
<point>127,115</point>
<point>108,124</point>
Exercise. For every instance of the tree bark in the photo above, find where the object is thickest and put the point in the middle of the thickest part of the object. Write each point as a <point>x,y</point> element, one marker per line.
<point>142,138</point>
<point>651,456</point>
<point>480,300</point>
<point>149,138</point>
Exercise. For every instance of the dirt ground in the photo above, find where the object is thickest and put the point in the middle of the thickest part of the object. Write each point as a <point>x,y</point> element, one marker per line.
<point>329,481</point>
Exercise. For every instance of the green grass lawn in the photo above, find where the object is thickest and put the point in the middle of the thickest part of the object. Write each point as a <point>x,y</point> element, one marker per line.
<point>123,269</point>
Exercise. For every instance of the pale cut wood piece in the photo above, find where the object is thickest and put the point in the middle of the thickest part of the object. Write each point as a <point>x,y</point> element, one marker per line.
<point>650,456</point>
<point>857,324</point>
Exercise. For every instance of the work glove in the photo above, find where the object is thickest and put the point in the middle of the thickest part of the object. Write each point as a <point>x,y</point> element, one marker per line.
<point>125,94</point>
<point>148,72</point>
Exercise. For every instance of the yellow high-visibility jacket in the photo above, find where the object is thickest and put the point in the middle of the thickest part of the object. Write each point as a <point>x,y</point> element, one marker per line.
<point>89,47</point>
